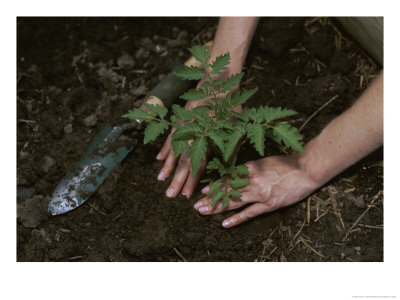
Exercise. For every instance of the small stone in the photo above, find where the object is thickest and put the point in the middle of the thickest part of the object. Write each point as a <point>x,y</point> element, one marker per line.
<point>342,255</point>
<point>358,248</point>
<point>268,243</point>
<point>125,61</point>
<point>33,211</point>
<point>90,121</point>
<point>48,162</point>
<point>68,128</point>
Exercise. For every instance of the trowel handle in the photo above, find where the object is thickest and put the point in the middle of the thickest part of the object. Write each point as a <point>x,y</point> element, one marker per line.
<point>171,87</point>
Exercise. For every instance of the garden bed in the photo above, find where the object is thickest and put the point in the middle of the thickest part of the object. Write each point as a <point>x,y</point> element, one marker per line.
<point>75,75</point>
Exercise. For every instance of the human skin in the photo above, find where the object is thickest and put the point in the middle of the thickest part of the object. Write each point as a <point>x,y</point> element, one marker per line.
<point>233,35</point>
<point>280,181</point>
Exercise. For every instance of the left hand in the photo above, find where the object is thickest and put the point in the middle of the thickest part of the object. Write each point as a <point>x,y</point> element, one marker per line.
<point>275,182</point>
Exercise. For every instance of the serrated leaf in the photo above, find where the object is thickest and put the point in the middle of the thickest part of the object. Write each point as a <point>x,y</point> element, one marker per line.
<point>138,114</point>
<point>200,53</point>
<point>173,119</point>
<point>238,182</point>
<point>153,130</point>
<point>181,113</point>
<point>273,113</point>
<point>242,170</point>
<point>235,193</point>
<point>220,63</point>
<point>255,133</point>
<point>288,134</point>
<point>216,164</point>
<point>178,146</point>
<point>157,109</point>
<point>215,187</point>
<point>193,95</point>
<point>190,73</point>
<point>186,132</point>
<point>218,140</point>
<point>197,153</point>
<point>231,82</point>
<point>225,201</point>
<point>201,109</point>
<point>241,98</point>
<point>247,114</point>
<point>232,141</point>
<point>217,197</point>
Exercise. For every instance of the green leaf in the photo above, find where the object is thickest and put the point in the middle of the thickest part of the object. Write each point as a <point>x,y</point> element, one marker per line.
<point>220,63</point>
<point>190,73</point>
<point>273,113</point>
<point>200,53</point>
<point>217,197</point>
<point>157,109</point>
<point>241,98</point>
<point>255,133</point>
<point>178,146</point>
<point>197,153</point>
<point>238,182</point>
<point>216,164</point>
<point>242,170</point>
<point>138,114</point>
<point>186,132</point>
<point>153,130</point>
<point>205,180</point>
<point>218,140</point>
<point>235,193</point>
<point>225,201</point>
<point>181,113</point>
<point>201,109</point>
<point>215,187</point>
<point>288,134</point>
<point>232,141</point>
<point>231,82</point>
<point>193,95</point>
<point>247,114</point>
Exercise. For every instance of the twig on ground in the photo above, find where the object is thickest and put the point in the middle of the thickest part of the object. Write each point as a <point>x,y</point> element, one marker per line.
<point>317,111</point>
<point>311,248</point>
<point>308,210</point>
<point>96,209</point>
<point>362,215</point>
<point>179,254</point>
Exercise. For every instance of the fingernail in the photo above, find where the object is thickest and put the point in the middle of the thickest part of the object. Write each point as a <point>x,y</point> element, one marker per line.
<point>160,176</point>
<point>170,192</point>
<point>226,223</point>
<point>203,209</point>
<point>205,189</point>
<point>198,204</point>
<point>158,157</point>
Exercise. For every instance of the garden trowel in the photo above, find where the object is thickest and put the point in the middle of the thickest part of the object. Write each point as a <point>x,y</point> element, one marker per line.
<point>108,149</point>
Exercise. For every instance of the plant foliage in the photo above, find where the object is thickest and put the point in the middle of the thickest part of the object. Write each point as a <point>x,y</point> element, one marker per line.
<point>197,130</point>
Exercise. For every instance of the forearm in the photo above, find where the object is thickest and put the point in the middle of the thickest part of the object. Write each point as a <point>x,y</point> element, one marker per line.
<point>348,138</point>
<point>234,34</point>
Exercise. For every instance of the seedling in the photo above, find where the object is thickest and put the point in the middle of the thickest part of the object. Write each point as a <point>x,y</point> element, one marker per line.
<point>211,126</point>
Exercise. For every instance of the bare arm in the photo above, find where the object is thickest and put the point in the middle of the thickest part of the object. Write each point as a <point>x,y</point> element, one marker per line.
<point>348,138</point>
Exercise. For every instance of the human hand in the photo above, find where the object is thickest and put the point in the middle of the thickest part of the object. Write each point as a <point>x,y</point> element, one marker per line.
<point>183,176</point>
<point>275,182</point>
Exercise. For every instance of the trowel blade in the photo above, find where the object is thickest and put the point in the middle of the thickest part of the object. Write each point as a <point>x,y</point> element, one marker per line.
<point>90,172</point>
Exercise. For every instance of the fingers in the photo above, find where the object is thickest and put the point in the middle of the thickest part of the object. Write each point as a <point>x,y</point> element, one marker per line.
<point>169,165</point>
<point>181,173</point>
<point>192,181</point>
<point>166,148</point>
<point>204,205</point>
<point>245,215</point>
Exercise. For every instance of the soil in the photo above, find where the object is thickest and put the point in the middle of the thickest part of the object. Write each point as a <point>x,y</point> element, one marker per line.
<point>75,75</point>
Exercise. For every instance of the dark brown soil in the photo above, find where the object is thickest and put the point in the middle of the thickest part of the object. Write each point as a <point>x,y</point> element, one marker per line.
<point>74,77</point>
